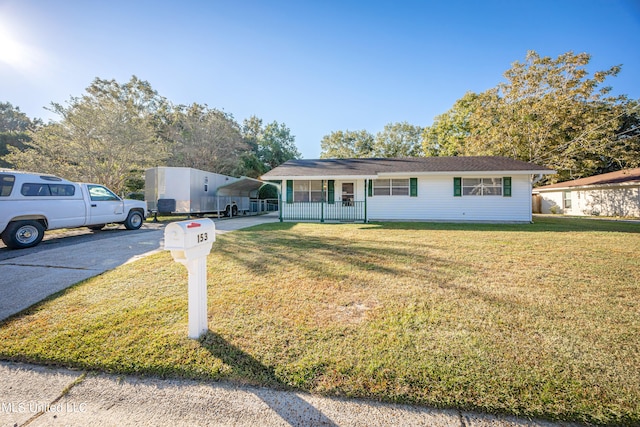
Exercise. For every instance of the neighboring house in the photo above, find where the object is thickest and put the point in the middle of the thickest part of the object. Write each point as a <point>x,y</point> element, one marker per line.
<point>492,189</point>
<point>609,194</point>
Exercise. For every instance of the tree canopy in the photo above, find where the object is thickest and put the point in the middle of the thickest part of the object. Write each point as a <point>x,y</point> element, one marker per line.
<point>14,127</point>
<point>449,131</point>
<point>204,138</point>
<point>104,136</point>
<point>270,146</point>
<point>395,140</point>
<point>550,111</point>
<point>114,131</point>
<point>398,140</point>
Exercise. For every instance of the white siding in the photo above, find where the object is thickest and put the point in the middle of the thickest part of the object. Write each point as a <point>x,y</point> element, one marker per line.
<point>436,202</point>
<point>552,202</point>
<point>619,201</point>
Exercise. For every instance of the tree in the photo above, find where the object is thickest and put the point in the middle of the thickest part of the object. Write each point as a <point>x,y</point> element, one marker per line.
<point>107,135</point>
<point>276,145</point>
<point>204,138</point>
<point>626,146</point>
<point>269,146</point>
<point>549,112</point>
<point>347,144</point>
<point>398,140</point>
<point>449,131</point>
<point>14,127</point>
<point>252,166</point>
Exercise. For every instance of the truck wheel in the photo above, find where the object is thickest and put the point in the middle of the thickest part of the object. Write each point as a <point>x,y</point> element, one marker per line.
<point>134,220</point>
<point>23,234</point>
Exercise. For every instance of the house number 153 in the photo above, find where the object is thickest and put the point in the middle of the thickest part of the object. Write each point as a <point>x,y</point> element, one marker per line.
<point>203,237</point>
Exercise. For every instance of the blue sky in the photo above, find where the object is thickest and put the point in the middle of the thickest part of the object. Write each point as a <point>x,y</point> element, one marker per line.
<point>318,66</point>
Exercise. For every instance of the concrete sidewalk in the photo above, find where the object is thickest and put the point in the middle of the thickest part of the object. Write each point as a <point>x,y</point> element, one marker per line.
<point>230,224</point>
<point>40,396</point>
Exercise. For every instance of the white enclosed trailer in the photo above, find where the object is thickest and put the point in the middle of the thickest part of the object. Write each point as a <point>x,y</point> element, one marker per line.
<point>190,191</point>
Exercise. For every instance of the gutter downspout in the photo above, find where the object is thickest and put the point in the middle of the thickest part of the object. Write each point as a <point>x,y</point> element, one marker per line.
<point>536,180</point>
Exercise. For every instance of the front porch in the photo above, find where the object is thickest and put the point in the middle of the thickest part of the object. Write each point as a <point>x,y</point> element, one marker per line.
<point>338,211</point>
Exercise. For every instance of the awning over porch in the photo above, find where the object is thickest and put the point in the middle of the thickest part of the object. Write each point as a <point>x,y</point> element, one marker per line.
<point>243,187</point>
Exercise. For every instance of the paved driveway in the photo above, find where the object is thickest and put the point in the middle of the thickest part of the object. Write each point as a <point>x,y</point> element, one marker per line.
<point>27,276</point>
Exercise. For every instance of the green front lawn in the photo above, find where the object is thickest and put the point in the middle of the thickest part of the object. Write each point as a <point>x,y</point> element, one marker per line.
<point>538,320</point>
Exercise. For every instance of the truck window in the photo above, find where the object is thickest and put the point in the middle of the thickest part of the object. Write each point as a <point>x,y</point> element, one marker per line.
<point>101,194</point>
<point>35,190</point>
<point>62,190</point>
<point>6,184</point>
<point>56,190</point>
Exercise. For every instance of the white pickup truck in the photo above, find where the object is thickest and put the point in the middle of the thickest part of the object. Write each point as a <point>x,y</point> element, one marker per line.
<point>32,203</point>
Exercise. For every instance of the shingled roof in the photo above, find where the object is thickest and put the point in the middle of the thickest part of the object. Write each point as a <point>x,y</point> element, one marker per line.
<point>627,176</point>
<point>376,166</point>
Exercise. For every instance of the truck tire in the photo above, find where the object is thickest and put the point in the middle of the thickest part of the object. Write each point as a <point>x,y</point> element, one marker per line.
<point>134,220</point>
<point>23,234</point>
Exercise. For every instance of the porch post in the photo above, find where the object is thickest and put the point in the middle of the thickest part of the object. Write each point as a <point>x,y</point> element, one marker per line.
<point>322,200</point>
<point>280,202</point>
<point>366,189</point>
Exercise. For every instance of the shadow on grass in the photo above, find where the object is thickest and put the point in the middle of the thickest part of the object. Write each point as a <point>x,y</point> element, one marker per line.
<point>294,410</point>
<point>269,226</point>
<point>540,224</point>
<point>333,257</point>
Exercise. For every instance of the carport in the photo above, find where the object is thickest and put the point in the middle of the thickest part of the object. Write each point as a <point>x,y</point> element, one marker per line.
<point>250,187</point>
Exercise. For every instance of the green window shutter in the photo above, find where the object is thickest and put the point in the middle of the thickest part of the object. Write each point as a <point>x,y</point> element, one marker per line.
<point>331,191</point>
<point>413,187</point>
<point>370,188</point>
<point>289,191</point>
<point>506,186</point>
<point>457,187</point>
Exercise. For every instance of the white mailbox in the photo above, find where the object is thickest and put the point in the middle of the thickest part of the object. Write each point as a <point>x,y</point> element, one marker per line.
<point>190,242</point>
<point>190,239</point>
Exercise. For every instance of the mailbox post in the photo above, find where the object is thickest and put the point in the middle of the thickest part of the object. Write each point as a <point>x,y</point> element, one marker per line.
<point>190,242</point>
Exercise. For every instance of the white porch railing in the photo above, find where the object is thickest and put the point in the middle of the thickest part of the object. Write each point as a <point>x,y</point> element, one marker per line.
<point>323,211</point>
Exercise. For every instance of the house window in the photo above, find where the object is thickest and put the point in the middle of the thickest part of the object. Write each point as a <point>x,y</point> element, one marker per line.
<point>391,187</point>
<point>566,200</point>
<point>309,191</point>
<point>482,186</point>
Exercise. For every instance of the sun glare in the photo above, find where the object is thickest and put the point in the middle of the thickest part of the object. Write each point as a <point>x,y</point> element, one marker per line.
<point>10,51</point>
<point>13,52</point>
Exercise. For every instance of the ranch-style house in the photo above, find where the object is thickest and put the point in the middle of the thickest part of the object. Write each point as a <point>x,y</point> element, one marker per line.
<point>455,189</point>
